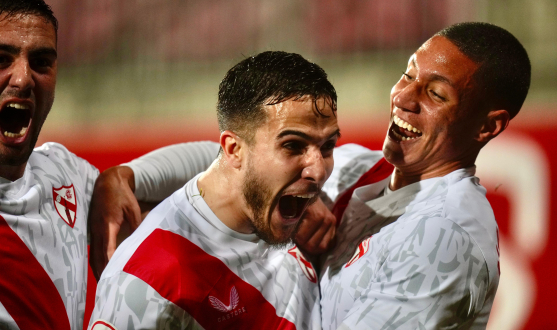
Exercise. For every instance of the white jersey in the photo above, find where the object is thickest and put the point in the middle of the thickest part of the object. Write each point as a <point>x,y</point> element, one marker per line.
<point>184,269</point>
<point>43,230</point>
<point>421,257</point>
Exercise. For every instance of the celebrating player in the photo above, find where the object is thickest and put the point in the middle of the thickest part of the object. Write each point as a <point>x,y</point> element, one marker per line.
<point>212,255</point>
<point>44,193</point>
<point>418,246</point>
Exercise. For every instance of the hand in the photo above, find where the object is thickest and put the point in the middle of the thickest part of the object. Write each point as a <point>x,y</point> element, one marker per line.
<point>113,202</point>
<point>317,230</point>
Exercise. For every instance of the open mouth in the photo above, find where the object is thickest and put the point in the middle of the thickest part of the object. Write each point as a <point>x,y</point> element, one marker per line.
<point>293,206</point>
<point>403,131</point>
<point>14,120</point>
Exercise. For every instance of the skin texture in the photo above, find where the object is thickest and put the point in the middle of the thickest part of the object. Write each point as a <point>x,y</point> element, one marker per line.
<point>291,155</point>
<point>28,68</point>
<point>438,95</point>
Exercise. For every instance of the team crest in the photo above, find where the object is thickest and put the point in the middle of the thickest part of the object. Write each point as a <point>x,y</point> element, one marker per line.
<point>305,265</point>
<point>360,251</point>
<point>65,203</point>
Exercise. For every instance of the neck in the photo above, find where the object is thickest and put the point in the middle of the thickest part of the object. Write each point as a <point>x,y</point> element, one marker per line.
<point>12,172</point>
<point>221,189</point>
<point>402,177</point>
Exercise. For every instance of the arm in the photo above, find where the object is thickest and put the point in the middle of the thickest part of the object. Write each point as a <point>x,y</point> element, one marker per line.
<point>152,177</point>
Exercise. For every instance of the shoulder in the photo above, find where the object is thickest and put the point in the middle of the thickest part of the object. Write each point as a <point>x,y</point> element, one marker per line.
<point>351,162</point>
<point>57,153</point>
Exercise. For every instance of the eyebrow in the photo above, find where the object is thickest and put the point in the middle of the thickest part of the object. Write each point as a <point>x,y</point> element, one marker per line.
<point>434,76</point>
<point>34,52</point>
<point>44,51</point>
<point>304,135</point>
<point>10,49</point>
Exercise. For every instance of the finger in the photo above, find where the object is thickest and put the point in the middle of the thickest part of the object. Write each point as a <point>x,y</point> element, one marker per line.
<point>306,230</point>
<point>112,241</point>
<point>312,245</point>
<point>326,242</point>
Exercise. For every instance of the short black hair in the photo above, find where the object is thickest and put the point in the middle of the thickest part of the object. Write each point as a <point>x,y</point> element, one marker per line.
<point>268,78</point>
<point>28,7</point>
<point>504,68</point>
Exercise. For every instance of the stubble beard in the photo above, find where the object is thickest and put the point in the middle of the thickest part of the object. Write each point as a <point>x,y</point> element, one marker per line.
<point>258,197</point>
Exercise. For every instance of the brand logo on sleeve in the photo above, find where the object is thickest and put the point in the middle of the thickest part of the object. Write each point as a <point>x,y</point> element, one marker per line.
<point>305,265</point>
<point>65,203</point>
<point>360,251</point>
<point>229,309</point>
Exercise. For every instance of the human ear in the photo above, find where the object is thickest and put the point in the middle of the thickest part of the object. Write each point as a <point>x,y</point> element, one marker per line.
<point>495,122</point>
<point>232,146</point>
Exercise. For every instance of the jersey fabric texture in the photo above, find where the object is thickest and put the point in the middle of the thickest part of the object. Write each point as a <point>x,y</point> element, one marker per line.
<point>421,257</point>
<point>43,225</point>
<point>184,269</point>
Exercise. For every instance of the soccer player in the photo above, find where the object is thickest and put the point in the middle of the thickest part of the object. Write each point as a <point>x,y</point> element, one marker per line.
<point>44,193</point>
<point>217,253</point>
<point>418,246</point>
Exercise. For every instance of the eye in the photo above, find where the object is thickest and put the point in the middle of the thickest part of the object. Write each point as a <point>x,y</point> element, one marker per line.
<point>4,60</point>
<point>294,147</point>
<point>41,63</point>
<point>328,147</point>
<point>407,76</point>
<point>437,96</point>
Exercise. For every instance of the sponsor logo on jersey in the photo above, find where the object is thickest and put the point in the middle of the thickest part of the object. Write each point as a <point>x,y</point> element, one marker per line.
<point>65,203</point>
<point>360,251</point>
<point>102,325</point>
<point>305,265</point>
<point>231,309</point>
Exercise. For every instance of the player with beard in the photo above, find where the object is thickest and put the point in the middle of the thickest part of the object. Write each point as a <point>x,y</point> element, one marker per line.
<point>213,254</point>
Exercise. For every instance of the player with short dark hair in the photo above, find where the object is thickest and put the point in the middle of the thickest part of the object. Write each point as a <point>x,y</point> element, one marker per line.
<point>218,252</point>
<point>418,241</point>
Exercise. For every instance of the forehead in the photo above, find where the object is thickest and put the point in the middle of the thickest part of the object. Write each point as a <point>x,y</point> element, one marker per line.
<point>300,115</point>
<point>439,56</point>
<point>27,31</point>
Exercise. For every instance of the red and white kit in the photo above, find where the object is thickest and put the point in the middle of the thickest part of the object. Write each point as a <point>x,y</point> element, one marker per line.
<point>184,269</point>
<point>43,229</point>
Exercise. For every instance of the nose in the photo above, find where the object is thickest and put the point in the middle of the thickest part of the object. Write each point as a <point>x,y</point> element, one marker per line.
<point>22,76</point>
<point>405,95</point>
<point>314,167</point>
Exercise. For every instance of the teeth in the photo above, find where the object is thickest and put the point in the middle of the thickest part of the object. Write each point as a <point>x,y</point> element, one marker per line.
<point>305,196</point>
<point>16,135</point>
<point>401,123</point>
<point>17,105</point>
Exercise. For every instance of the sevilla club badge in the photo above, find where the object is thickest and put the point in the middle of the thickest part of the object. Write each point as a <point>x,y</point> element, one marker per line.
<point>304,264</point>
<point>65,203</point>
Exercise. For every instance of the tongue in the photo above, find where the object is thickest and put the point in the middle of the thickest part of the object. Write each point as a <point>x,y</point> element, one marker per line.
<point>13,120</point>
<point>288,206</point>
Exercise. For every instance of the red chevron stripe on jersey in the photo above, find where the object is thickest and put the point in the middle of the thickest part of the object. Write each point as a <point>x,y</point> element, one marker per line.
<point>186,275</point>
<point>380,171</point>
<point>26,290</point>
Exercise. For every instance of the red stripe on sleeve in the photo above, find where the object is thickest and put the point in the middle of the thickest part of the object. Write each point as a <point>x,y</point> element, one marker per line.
<point>201,284</point>
<point>378,172</point>
<point>26,290</point>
